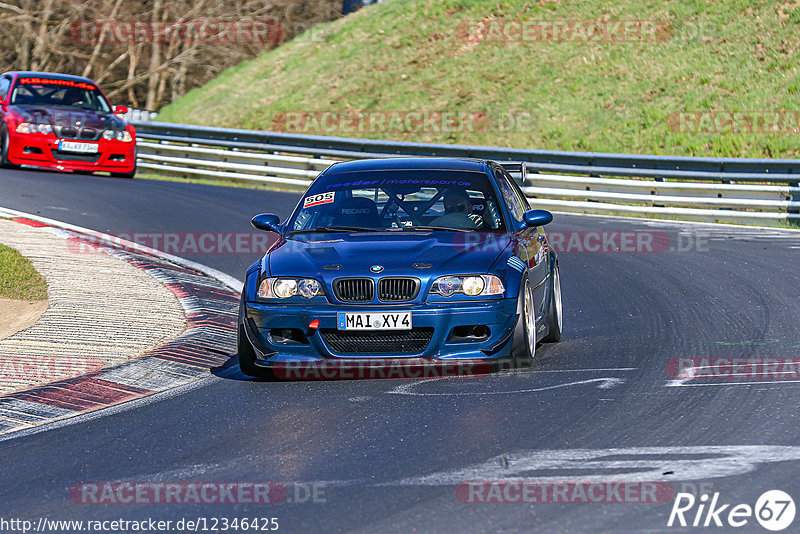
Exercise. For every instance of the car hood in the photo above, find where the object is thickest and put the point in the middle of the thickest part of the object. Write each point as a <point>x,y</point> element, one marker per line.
<point>408,253</point>
<point>63,116</point>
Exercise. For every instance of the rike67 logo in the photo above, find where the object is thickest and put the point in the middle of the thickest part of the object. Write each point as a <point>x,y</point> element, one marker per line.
<point>774,510</point>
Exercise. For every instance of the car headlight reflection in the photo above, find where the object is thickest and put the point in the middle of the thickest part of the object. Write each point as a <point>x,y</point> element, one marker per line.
<point>472,285</point>
<point>447,286</point>
<point>284,288</point>
<point>308,288</point>
<point>120,135</point>
<point>31,128</point>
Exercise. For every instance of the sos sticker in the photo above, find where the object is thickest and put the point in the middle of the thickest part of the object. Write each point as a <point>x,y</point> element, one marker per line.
<point>316,200</point>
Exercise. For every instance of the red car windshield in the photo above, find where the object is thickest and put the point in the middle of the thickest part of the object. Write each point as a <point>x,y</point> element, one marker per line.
<point>61,93</point>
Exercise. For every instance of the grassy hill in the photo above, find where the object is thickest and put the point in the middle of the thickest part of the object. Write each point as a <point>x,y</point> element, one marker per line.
<point>428,56</point>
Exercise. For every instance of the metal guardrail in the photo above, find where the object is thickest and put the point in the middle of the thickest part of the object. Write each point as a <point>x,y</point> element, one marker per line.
<point>138,115</point>
<point>754,191</point>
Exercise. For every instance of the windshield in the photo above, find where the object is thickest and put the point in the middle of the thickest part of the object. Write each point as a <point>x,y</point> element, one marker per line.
<point>63,93</point>
<point>400,200</point>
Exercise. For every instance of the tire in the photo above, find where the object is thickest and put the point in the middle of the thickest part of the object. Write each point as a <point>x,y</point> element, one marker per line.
<point>523,348</point>
<point>245,351</point>
<point>555,316</point>
<point>4,141</point>
<point>124,174</point>
<point>247,355</point>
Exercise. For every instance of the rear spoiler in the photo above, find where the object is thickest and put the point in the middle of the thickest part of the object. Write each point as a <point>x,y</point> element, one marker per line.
<point>517,168</point>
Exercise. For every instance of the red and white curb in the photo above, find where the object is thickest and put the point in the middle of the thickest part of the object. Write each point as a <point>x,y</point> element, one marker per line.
<point>210,300</point>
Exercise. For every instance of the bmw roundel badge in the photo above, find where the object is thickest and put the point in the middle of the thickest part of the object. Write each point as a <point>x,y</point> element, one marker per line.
<point>376,268</point>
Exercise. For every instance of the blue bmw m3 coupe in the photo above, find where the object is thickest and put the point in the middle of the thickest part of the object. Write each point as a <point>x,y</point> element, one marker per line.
<point>428,260</point>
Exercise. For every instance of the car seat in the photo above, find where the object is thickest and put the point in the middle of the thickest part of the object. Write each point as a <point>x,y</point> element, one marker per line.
<point>357,211</point>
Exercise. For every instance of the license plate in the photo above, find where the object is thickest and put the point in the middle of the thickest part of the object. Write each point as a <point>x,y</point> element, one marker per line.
<point>81,148</point>
<point>374,321</point>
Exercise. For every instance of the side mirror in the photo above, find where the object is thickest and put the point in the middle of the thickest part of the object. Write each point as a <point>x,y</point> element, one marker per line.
<point>120,110</point>
<point>267,222</point>
<point>536,218</point>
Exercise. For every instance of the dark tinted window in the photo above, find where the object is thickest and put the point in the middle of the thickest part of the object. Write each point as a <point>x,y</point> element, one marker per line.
<point>517,205</point>
<point>522,200</point>
<point>62,93</point>
<point>5,85</point>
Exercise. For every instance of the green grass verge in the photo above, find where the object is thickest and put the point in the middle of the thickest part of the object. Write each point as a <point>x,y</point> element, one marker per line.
<point>408,55</point>
<point>18,279</point>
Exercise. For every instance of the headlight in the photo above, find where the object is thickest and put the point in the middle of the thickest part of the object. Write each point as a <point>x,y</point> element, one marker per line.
<point>472,285</point>
<point>446,286</point>
<point>308,288</point>
<point>284,288</point>
<point>30,128</point>
<point>124,136</point>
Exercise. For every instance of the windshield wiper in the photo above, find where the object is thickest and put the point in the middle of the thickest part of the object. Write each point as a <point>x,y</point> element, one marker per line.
<point>443,228</point>
<point>330,229</point>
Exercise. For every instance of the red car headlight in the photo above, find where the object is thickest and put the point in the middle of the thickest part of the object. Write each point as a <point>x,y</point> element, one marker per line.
<point>32,128</point>
<point>123,135</point>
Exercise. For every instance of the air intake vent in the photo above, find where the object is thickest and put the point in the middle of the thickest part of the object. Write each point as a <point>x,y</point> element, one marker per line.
<point>413,341</point>
<point>397,289</point>
<point>72,132</point>
<point>67,131</point>
<point>88,133</point>
<point>354,289</point>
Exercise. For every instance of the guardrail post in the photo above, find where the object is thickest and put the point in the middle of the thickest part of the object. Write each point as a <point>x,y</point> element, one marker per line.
<point>794,197</point>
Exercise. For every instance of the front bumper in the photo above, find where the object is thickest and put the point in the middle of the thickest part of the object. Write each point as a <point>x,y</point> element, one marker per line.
<point>42,151</point>
<point>499,316</point>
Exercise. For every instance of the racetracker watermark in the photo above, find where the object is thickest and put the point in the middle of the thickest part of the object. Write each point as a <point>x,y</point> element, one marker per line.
<point>180,242</point>
<point>592,241</point>
<point>601,242</point>
<point>257,243</point>
<point>721,368</point>
<point>268,31</point>
<point>386,368</point>
<point>561,31</point>
<point>197,492</point>
<point>784,122</point>
<point>400,122</point>
<point>558,492</point>
<point>48,368</point>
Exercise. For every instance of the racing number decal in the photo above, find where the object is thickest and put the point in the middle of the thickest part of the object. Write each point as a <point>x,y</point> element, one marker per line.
<point>316,200</point>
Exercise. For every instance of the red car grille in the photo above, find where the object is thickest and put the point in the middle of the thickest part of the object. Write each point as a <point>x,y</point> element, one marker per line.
<point>72,132</point>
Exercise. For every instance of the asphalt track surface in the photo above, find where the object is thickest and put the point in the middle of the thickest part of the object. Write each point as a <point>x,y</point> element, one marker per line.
<point>388,455</point>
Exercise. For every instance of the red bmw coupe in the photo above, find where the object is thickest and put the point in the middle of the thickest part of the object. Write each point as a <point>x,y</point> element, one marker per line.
<point>64,123</point>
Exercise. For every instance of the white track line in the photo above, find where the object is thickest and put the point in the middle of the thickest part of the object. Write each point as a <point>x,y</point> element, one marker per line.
<point>681,383</point>
<point>670,221</point>
<point>405,389</point>
<point>581,370</point>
